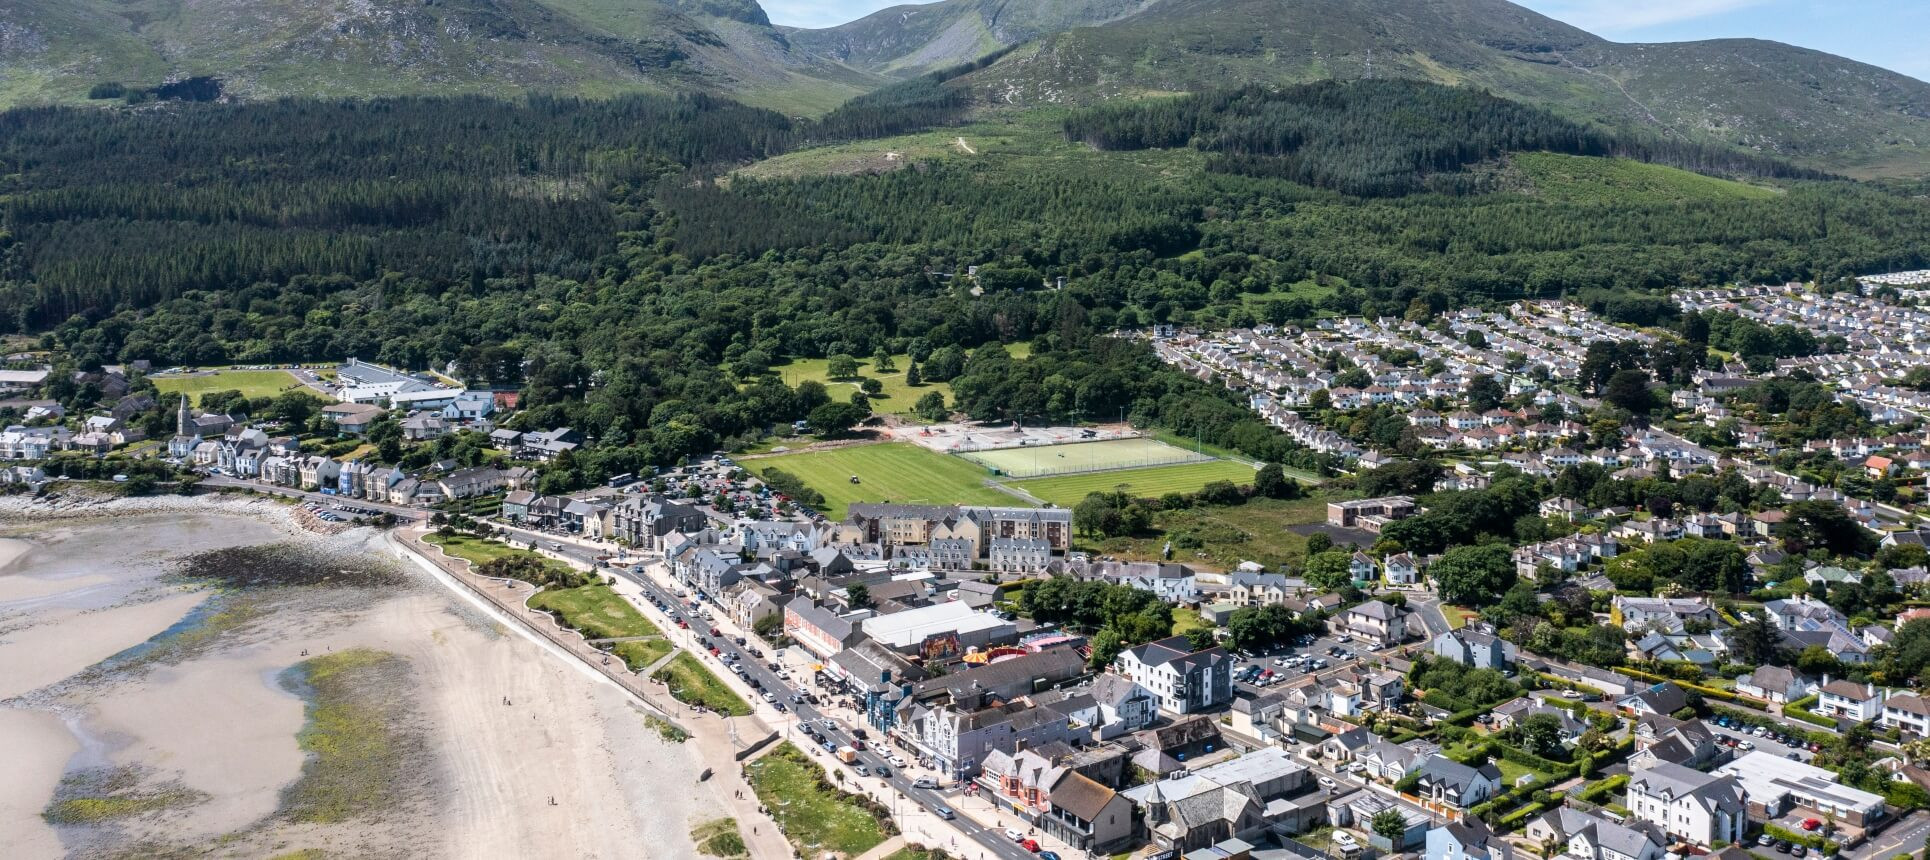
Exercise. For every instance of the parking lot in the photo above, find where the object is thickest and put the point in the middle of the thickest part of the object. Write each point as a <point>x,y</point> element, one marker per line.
<point>1742,740</point>
<point>1318,655</point>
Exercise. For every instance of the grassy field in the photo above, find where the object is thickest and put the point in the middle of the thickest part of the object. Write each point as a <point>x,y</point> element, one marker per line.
<point>251,383</point>
<point>816,817</point>
<point>1042,460</point>
<point>1028,142</point>
<point>1185,619</point>
<point>692,684</point>
<point>639,654</point>
<point>1068,490</point>
<point>1256,531</point>
<point>479,551</point>
<point>595,611</point>
<point>1579,179</point>
<point>895,471</point>
<point>897,397</point>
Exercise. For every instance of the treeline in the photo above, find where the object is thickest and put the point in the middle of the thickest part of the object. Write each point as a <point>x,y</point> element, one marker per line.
<point>919,103</point>
<point>110,209</point>
<point>1376,138</point>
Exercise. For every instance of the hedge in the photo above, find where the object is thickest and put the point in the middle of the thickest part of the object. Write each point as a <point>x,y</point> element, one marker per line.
<point>1799,709</point>
<point>1602,790</point>
<point>1707,692</point>
<point>1813,840</point>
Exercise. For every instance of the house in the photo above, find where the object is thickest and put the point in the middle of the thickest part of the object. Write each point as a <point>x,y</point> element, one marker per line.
<point>1124,705</point>
<point>1235,799</point>
<point>1259,589</point>
<point>1475,649</point>
<point>353,419</point>
<point>424,426</point>
<point>1660,739</point>
<point>1509,714</point>
<point>1776,787</point>
<point>1373,621</point>
<point>1090,816</point>
<point>1467,839</point>
<point>1848,700</point>
<point>1773,684</point>
<point>1370,514</point>
<point>470,407</point>
<point>1831,575</point>
<point>820,629</point>
<point>1687,804</point>
<point>1587,836</point>
<point>1446,781</point>
<point>1664,698</point>
<point>1907,712</point>
<point>1183,680</point>
<point>1400,569</point>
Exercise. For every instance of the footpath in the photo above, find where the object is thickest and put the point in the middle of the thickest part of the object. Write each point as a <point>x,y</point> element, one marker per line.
<point>713,735</point>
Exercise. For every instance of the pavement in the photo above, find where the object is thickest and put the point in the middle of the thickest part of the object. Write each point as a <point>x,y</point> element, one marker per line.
<point>1904,838</point>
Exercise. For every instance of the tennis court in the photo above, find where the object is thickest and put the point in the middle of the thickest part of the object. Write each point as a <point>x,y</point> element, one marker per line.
<point>1033,461</point>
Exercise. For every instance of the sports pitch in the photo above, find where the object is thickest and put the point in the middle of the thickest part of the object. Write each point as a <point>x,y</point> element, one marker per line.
<point>895,471</point>
<point>1042,460</point>
<point>1068,490</point>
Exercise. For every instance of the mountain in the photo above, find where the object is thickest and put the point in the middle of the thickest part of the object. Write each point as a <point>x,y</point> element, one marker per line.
<point>1769,97</point>
<point>54,52</point>
<point>913,39</point>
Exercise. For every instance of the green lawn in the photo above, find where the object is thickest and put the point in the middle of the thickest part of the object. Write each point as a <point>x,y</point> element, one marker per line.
<point>895,471</point>
<point>251,383</point>
<point>1256,531</point>
<point>1185,619</point>
<point>595,611</point>
<point>896,396</point>
<point>816,816</point>
<point>1067,490</point>
<point>639,654</point>
<point>479,551</point>
<point>692,684</point>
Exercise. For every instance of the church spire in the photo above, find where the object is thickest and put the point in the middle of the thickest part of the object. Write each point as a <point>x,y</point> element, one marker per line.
<point>181,417</point>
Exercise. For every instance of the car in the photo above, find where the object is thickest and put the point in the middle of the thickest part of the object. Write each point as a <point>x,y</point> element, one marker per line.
<point>857,744</point>
<point>1748,745</point>
<point>828,746</point>
<point>1031,845</point>
<point>770,697</point>
<point>1014,835</point>
<point>1799,850</point>
<point>1765,841</point>
<point>1571,694</point>
<point>882,771</point>
<point>1793,757</point>
<point>1345,840</point>
<point>780,707</point>
<point>1782,847</point>
<point>1326,782</point>
<point>898,761</point>
<point>924,782</point>
<point>1812,823</point>
<point>1048,855</point>
<point>861,769</point>
<point>943,811</point>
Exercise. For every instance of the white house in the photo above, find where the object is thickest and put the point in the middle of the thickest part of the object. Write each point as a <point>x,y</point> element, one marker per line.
<point>1689,804</point>
<point>1851,701</point>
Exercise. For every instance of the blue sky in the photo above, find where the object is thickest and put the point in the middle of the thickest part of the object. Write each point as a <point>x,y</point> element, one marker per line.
<point>1888,33</point>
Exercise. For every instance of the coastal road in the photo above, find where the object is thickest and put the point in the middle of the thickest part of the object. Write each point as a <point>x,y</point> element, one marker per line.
<point>991,839</point>
<point>403,513</point>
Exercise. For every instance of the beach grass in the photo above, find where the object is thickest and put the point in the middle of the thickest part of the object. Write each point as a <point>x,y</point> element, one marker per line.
<point>692,684</point>
<point>720,838</point>
<point>814,815</point>
<point>595,611</point>
<point>1149,483</point>
<point>357,757</point>
<point>893,471</point>
<point>251,384</point>
<point>640,654</point>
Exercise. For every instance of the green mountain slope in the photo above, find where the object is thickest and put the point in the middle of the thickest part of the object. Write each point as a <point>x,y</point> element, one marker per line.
<point>52,52</point>
<point>916,38</point>
<point>1774,98</point>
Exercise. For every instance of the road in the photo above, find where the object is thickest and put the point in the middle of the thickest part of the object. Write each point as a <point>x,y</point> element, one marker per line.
<point>402,512</point>
<point>659,590</point>
<point>1903,839</point>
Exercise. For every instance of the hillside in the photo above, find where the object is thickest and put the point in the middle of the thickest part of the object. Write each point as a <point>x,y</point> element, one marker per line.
<point>1792,102</point>
<point>916,38</point>
<point>58,52</point>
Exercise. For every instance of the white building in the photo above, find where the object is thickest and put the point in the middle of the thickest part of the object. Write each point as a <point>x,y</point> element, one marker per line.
<point>1691,805</point>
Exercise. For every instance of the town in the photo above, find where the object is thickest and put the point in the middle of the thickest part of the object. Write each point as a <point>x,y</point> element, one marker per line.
<point>1570,587</point>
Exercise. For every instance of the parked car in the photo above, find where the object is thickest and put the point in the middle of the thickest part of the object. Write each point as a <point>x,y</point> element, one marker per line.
<point>924,782</point>
<point>1014,835</point>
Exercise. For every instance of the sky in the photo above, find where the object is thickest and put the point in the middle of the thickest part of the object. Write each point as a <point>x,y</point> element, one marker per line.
<point>1887,33</point>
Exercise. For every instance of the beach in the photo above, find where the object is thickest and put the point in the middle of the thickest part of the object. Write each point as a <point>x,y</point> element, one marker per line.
<point>202,676</point>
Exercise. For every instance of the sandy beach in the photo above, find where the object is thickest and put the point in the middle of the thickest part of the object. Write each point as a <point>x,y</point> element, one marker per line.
<point>161,714</point>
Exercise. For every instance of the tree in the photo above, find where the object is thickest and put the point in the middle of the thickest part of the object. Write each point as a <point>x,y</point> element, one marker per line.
<point>1755,642</point>
<point>1629,389</point>
<point>1330,570</point>
<point>1484,393</point>
<point>1823,525</point>
<point>1317,543</point>
<point>1817,661</point>
<point>768,626</point>
<point>913,378</point>
<point>931,406</point>
<point>1258,627</point>
<point>881,362</point>
<point>833,419</point>
<point>1106,645</point>
<point>859,595</point>
<point>1473,575</point>
<point>1391,825</point>
<point>1540,733</point>
<point>1271,482</point>
<point>841,366</point>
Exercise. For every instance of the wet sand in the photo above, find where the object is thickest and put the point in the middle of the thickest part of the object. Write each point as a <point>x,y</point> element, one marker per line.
<point>201,708</point>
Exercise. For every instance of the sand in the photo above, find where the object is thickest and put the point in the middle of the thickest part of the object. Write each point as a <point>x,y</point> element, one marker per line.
<point>216,721</point>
